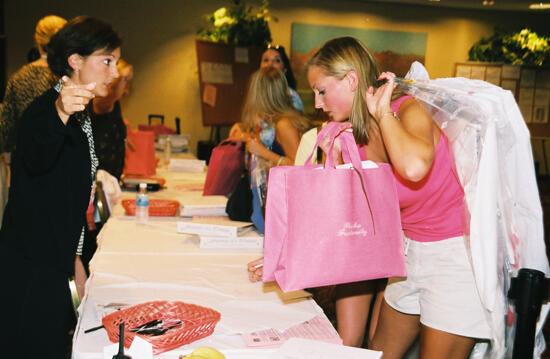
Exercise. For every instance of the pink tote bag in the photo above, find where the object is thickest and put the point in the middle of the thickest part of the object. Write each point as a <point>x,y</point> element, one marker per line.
<point>327,225</point>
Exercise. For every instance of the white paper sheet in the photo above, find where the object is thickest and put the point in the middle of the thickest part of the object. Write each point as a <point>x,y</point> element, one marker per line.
<point>297,348</point>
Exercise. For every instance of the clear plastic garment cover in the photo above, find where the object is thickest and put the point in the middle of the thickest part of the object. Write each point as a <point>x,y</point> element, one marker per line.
<point>491,146</point>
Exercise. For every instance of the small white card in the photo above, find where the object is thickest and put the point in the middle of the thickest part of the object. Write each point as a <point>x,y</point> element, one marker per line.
<point>139,349</point>
<point>248,240</point>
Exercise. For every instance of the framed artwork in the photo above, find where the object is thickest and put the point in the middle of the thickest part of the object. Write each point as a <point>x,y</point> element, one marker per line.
<point>393,50</point>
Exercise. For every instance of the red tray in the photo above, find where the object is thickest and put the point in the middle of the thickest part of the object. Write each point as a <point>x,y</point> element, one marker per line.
<point>157,207</point>
<point>197,322</point>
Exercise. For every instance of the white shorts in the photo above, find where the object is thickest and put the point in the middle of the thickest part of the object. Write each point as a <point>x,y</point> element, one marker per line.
<point>440,288</point>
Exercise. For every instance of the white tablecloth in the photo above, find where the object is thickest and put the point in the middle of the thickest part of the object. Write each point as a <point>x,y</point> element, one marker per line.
<point>138,263</point>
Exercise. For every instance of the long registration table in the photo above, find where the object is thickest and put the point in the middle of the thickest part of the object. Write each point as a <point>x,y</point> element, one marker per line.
<point>136,263</point>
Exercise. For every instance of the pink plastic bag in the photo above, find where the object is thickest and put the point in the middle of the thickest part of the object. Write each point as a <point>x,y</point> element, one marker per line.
<point>327,226</point>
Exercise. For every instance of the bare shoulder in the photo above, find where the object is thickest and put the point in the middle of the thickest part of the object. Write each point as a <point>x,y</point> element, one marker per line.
<point>284,123</point>
<point>416,119</point>
<point>411,106</point>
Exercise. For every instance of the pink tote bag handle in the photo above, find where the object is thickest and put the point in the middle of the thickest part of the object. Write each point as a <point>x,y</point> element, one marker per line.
<point>330,131</point>
<point>350,152</point>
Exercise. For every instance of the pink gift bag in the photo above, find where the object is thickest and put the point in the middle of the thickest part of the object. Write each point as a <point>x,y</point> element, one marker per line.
<point>327,225</point>
<point>225,168</point>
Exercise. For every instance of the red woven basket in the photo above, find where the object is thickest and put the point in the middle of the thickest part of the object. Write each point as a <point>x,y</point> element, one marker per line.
<point>197,322</point>
<point>157,207</point>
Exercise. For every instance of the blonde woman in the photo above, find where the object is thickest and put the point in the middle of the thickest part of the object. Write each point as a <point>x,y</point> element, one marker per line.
<point>438,300</point>
<point>23,87</point>
<point>29,82</point>
<point>275,124</point>
<point>275,129</point>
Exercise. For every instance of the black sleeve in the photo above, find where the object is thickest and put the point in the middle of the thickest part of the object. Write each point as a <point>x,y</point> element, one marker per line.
<point>42,134</point>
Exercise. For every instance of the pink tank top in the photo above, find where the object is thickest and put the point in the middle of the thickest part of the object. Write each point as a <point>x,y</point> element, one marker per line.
<point>431,209</point>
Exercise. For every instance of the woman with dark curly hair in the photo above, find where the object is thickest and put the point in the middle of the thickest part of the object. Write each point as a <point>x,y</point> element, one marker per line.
<point>53,172</point>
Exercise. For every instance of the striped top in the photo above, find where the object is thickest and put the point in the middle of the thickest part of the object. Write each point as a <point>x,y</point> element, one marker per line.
<point>83,117</point>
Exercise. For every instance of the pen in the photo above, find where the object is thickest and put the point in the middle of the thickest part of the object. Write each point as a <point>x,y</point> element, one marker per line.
<point>93,329</point>
<point>258,266</point>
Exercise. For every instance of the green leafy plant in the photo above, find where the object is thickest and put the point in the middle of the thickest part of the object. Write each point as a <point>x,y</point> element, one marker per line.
<point>520,48</point>
<point>238,24</point>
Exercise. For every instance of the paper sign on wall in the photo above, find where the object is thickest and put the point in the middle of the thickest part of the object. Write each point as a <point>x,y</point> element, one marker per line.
<point>216,73</point>
<point>209,95</point>
<point>241,55</point>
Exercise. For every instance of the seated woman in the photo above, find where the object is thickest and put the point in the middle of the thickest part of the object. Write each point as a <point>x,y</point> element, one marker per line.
<point>276,129</point>
<point>273,56</point>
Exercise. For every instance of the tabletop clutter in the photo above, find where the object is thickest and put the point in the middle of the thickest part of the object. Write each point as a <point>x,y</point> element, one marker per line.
<point>170,324</point>
<point>164,324</point>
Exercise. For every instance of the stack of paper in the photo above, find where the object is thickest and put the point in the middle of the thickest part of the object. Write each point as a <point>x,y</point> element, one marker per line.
<point>222,233</point>
<point>203,206</point>
<point>299,348</point>
<point>317,328</point>
<point>186,165</point>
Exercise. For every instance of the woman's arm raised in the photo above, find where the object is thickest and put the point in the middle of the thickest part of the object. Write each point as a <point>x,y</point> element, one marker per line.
<point>409,138</point>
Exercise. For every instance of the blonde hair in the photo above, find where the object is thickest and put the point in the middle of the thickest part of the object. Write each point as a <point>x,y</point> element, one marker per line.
<point>269,97</point>
<point>339,56</point>
<point>45,29</point>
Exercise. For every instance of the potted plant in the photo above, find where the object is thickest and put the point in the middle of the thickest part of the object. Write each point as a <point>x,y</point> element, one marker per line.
<point>238,25</point>
<point>524,47</point>
<point>229,48</point>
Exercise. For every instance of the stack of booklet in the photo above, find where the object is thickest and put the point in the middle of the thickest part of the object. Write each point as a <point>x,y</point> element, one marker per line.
<point>201,205</point>
<point>222,233</point>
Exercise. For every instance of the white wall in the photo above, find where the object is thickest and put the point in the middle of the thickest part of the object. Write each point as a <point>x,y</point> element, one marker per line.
<point>158,39</point>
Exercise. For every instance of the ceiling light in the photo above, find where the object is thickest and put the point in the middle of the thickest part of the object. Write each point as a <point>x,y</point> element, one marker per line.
<point>488,2</point>
<point>539,6</point>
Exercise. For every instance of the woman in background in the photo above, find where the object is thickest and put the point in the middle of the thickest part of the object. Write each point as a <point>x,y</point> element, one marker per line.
<point>273,56</point>
<point>108,124</point>
<point>110,139</point>
<point>23,87</point>
<point>29,82</point>
<point>53,172</point>
<point>276,129</point>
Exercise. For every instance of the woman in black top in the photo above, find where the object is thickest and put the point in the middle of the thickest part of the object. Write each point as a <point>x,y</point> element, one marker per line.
<point>51,187</point>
